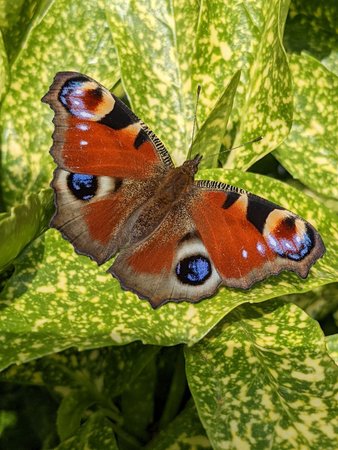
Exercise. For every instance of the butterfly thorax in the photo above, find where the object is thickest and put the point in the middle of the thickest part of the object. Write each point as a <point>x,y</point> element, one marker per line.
<point>173,186</point>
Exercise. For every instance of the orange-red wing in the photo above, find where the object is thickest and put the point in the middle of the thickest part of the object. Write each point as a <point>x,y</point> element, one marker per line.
<point>95,132</point>
<point>249,238</point>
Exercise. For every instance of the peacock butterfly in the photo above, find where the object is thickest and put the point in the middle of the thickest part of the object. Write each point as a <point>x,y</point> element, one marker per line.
<point>117,191</point>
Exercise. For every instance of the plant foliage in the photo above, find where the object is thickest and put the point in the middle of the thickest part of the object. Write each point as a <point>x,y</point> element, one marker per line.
<point>87,365</point>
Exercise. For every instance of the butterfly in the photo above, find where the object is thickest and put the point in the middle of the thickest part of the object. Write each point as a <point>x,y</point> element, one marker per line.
<point>117,191</point>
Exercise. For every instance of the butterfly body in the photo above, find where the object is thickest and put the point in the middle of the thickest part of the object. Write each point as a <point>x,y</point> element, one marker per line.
<point>118,192</point>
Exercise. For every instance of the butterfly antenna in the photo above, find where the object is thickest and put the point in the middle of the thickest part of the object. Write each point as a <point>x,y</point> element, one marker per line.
<point>195,120</point>
<point>257,139</point>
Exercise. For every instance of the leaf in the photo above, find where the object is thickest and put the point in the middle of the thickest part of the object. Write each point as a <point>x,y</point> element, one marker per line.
<point>332,347</point>
<point>185,432</point>
<point>137,403</point>
<point>23,224</point>
<point>57,299</point>
<point>263,379</point>
<point>310,151</point>
<point>155,63</point>
<point>95,434</point>
<point>17,21</point>
<point>26,123</point>
<point>71,411</point>
<point>7,419</point>
<point>111,370</point>
<point>318,303</point>
<point>4,75</point>
<point>311,27</point>
<point>210,136</point>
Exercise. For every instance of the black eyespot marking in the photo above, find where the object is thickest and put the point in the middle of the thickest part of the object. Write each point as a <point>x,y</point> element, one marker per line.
<point>193,270</point>
<point>258,211</point>
<point>230,200</point>
<point>83,186</point>
<point>140,138</point>
<point>289,222</point>
<point>118,117</point>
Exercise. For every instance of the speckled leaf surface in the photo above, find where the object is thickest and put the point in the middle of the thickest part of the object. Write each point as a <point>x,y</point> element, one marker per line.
<point>4,75</point>
<point>319,302</point>
<point>85,46</point>
<point>95,434</point>
<point>310,151</point>
<point>185,432</point>
<point>267,108</point>
<point>17,20</point>
<point>22,224</point>
<point>209,138</point>
<point>263,379</point>
<point>155,58</point>
<point>332,346</point>
<point>110,370</point>
<point>58,299</point>
<point>312,27</point>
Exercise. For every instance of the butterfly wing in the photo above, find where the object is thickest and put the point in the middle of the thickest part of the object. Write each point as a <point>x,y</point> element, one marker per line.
<point>217,235</point>
<point>109,163</point>
<point>171,265</point>
<point>249,238</point>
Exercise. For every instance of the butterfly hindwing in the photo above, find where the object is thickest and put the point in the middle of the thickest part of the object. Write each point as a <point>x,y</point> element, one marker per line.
<point>171,265</point>
<point>250,238</point>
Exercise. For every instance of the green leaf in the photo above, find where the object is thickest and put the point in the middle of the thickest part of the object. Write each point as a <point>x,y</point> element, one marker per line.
<point>332,346</point>
<point>7,419</point>
<point>70,36</point>
<point>17,21</point>
<point>185,432</point>
<point>263,379</point>
<point>310,151</point>
<point>4,75</point>
<point>137,403</point>
<point>210,136</point>
<point>319,302</point>
<point>71,411</point>
<point>312,27</point>
<point>155,63</point>
<point>65,300</point>
<point>95,434</point>
<point>111,370</point>
<point>22,224</point>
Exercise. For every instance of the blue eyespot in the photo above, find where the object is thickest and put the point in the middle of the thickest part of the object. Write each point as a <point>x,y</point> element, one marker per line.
<point>83,186</point>
<point>295,248</point>
<point>194,270</point>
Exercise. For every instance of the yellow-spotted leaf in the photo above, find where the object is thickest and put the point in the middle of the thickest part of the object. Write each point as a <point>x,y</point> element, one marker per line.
<point>210,136</point>
<point>319,302</point>
<point>22,224</point>
<point>4,74</point>
<point>185,432</point>
<point>310,151</point>
<point>332,347</point>
<point>70,36</point>
<point>311,26</point>
<point>111,370</point>
<point>262,379</point>
<point>267,108</point>
<point>155,44</point>
<point>57,299</point>
<point>17,20</point>
<point>95,434</point>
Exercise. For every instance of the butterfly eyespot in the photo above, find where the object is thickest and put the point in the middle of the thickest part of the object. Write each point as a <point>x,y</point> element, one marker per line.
<point>194,270</point>
<point>83,186</point>
<point>85,99</point>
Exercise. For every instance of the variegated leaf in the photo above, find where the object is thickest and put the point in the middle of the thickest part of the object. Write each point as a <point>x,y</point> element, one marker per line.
<point>58,299</point>
<point>262,379</point>
<point>95,434</point>
<point>26,122</point>
<point>310,151</point>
